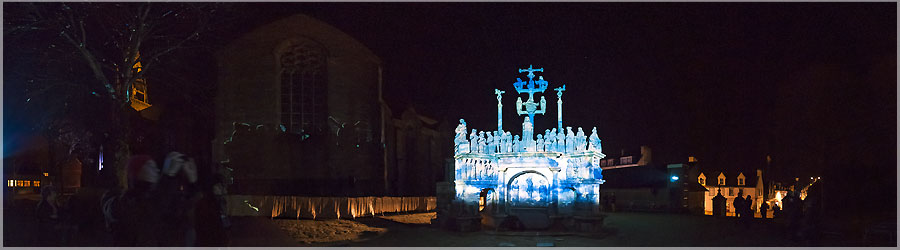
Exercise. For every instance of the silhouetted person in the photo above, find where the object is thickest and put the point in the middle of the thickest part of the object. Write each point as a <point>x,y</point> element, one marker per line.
<point>212,217</point>
<point>776,211</point>
<point>605,200</point>
<point>145,213</point>
<point>47,213</point>
<point>738,205</point>
<point>810,223</point>
<point>748,211</point>
<point>792,213</point>
<point>763,209</point>
<point>612,202</point>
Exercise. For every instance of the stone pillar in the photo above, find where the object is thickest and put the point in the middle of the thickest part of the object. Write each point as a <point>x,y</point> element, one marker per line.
<point>499,110</point>
<point>559,91</point>
<point>554,192</point>
<point>502,192</point>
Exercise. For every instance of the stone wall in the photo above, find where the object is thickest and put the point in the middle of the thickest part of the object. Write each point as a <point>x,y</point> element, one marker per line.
<point>347,150</point>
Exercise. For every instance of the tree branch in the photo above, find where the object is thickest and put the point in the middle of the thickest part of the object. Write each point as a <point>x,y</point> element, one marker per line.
<point>94,65</point>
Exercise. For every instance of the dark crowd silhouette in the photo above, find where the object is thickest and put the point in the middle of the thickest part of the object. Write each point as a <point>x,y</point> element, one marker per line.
<point>163,205</point>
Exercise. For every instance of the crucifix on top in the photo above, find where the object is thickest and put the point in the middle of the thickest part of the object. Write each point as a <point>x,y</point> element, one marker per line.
<point>531,107</point>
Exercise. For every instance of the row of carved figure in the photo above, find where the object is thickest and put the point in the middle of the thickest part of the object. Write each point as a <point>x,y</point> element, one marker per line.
<point>476,169</point>
<point>551,141</point>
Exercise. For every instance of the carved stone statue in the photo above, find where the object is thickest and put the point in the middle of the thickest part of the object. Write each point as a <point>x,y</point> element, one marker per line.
<point>481,142</point>
<point>473,141</point>
<point>517,145</point>
<point>570,140</point>
<point>527,130</point>
<point>497,136</point>
<point>539,143</point>
<point>490,143</point>
<point>460,139</point>
<point>595,141</point>
<point>509,144</point>
<point>559,140</point>
<point>581,139</point>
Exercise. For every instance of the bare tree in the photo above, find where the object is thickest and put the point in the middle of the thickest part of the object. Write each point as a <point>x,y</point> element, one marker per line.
<point>89,55</point>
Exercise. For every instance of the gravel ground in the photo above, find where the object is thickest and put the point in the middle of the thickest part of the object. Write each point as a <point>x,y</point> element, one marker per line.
<point>327,231</point>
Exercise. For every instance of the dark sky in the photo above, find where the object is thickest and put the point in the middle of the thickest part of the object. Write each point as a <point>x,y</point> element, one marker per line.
<point>723,82</point>
<point>727,82</point>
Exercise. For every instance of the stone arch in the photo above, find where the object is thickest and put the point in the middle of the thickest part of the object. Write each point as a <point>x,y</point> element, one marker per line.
<point>567,196</point>
<point>528,188</point>
<point>488,200</point>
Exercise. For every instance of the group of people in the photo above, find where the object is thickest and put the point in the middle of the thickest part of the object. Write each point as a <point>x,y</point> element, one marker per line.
<point>609,202</point>
<point>504,142</point>
<point>793,213</point>
<point>743,208</point>
<point>162,206</point>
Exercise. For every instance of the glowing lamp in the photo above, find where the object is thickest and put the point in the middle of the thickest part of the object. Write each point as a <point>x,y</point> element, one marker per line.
<point>674,178</point>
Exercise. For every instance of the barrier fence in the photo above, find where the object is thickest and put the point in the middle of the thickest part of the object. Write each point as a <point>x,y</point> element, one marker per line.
<point>325,207</point>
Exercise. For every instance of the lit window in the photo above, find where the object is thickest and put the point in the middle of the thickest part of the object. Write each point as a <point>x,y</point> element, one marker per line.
<point>626,160</point>
<point>37,183</point>
<point>27,183</point>
<point>11,183</point>
<point>46,174</point>
<point>702,181</point>
<point>730,192</point>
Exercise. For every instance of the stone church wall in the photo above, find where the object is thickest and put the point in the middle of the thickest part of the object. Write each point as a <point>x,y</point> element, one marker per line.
<point>346,154</point>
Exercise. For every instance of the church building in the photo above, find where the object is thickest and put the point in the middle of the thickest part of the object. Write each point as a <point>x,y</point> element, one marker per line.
<point>299,111</point>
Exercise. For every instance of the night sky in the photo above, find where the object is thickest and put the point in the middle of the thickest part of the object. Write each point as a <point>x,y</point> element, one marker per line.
<point>812,84</point>
<point>728,83</point>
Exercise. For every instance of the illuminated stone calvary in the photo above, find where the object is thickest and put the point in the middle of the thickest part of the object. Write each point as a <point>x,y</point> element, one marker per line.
<point>555,174</point>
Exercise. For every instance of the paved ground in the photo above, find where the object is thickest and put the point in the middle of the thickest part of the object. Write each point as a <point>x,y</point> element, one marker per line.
<point>622,229</point>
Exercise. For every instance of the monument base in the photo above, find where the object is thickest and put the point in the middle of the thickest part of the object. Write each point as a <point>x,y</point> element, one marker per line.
<point>588,224</point>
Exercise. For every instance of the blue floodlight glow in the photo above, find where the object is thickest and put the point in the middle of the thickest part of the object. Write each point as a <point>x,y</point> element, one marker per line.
<point>552,168</point>
<point>100,167</point>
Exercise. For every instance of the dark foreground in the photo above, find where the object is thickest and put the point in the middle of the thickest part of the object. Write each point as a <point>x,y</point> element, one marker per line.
<point>415,230</point>
<point>622,229</point>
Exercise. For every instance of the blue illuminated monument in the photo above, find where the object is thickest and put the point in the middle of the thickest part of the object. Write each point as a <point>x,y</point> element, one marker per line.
<point>539,179</point>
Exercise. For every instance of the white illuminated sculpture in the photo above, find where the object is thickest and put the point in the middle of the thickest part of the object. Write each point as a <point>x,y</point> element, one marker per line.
<point>558,173</point>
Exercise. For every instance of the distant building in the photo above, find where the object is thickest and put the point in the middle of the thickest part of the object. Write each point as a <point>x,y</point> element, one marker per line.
<point>730,183</point>
<point>628,160</point>
<point>636,182</point>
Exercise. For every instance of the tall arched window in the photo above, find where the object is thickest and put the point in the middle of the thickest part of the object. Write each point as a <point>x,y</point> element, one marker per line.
<point>304,81</point>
